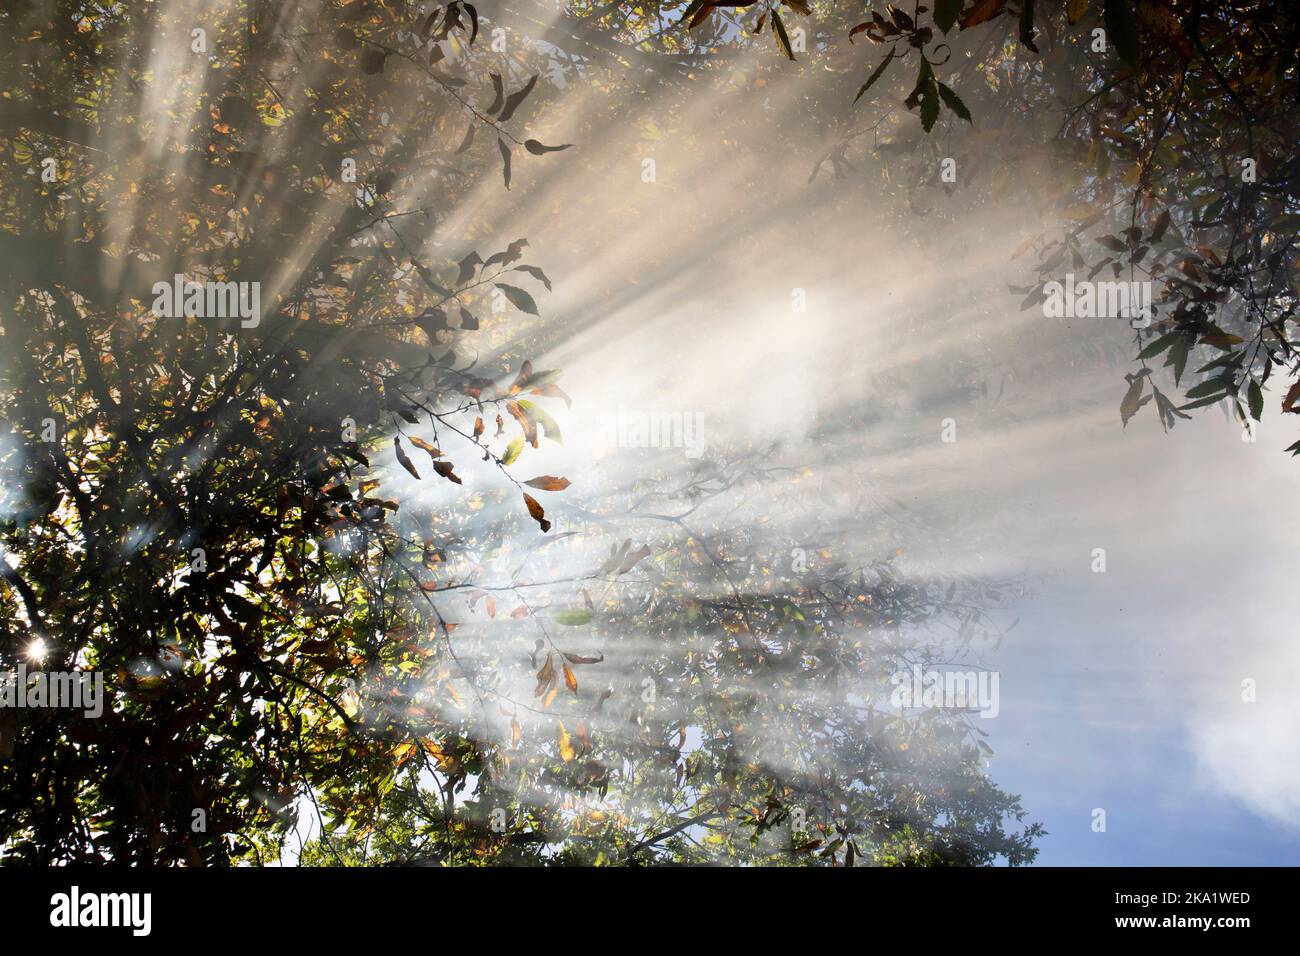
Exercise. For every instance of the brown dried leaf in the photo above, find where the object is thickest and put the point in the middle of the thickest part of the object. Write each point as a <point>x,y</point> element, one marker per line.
<point>403,460</point>
<point>444,470</point>
<point>537,512</point>
<point>983,11</point>
<point>525,421</point>
<point>1292,397</point>
<point>547,483</point>
<point>544,677</point>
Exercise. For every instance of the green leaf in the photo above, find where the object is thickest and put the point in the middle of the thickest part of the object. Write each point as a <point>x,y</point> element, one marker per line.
<point>1204,401</point>
<point>517,97</point>
<point>925,88</point>
<point>513,450</point>
<point>1169,414</point>
<point>1122,30</point>
<point>1157,346</point>
<point>538,148</point>
<point>1027,24</point>
<point>1213,386</point>
<point>536,273</point>
<point>520,299</point>
<point>572,618</point>
<point>783,38</point>
<point>929,112</point>
<point>505,160</point>
<point>1217,337</point>
<point>543,418</point>
<point>1178,357</point>
<point>875,75</point>
<point>473,19</point>
<point>1255,396</point>
<point>954,102</point>
<point>692,10</point>
<point>946,13</point>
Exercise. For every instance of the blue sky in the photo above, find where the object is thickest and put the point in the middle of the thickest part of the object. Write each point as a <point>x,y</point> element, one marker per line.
<point>1122,690</point>
<point>1162,808</point>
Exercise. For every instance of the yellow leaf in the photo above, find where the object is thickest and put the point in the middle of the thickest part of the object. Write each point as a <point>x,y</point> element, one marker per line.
<point>404,751</point>
<point>566,745</point>
<point>512,450</point>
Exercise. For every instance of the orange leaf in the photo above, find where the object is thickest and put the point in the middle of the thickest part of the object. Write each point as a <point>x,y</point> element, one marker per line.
<point>419,442</point>
<point>547,483</point>
<point>982,11</point>
<point>1292,397</point>
<point>551,390</point>
<point>525,422</point>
